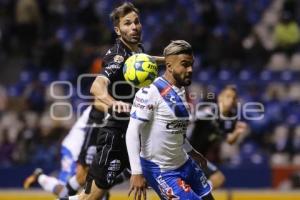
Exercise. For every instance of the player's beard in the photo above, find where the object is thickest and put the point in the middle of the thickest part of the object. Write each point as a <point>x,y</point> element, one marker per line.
<point>181,79</point>
<point>131,39</point>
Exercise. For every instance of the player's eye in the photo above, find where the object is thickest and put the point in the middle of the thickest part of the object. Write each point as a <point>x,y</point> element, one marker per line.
<point>127,23</point>
<point>137,22</point>
<point>187,64</point>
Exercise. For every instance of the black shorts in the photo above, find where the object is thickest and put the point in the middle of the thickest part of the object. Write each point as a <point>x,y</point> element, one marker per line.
<point>210,170</point>
<point>111,158</point>
<point>89,146</point>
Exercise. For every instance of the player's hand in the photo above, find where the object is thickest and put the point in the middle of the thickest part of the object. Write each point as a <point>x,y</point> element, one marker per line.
<point>240,127</point>
<point>138,186</point>
<point>121,107</point>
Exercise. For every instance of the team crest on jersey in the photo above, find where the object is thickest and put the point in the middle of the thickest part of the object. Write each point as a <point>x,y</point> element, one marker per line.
<point>114,165</point>
<point>183,185</point>
<point>118,59</point>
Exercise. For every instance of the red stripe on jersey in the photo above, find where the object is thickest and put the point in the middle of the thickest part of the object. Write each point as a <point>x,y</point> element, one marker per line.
<point>165,90</point>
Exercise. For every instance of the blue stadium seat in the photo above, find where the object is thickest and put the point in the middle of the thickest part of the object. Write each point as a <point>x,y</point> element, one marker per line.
<point>46,77</point>
<point>67,75</point>
<point>26,76</point>
<point>15,90</point>
<point>246,75</point>
<point>267,76</point>
<point>205,76</point>
<point>287,76</point>
<point>226,76</point>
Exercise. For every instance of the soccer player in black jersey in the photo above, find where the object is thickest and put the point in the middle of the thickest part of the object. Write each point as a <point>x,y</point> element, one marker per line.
<point>113,96</point>
<point>214,122</point>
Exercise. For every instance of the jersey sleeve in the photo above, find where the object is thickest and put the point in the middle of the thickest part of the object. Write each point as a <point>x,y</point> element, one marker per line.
<point>113,62</point>
<point>144,104</point>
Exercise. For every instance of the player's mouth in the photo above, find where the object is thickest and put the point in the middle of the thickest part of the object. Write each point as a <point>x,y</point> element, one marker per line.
<point>189,77</point>
<point>135,35</point>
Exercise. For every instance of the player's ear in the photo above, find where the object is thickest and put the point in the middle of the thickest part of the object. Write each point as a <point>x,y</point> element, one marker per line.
<point>169,67</point>
<point>219,97</point>
<point>117,31</point>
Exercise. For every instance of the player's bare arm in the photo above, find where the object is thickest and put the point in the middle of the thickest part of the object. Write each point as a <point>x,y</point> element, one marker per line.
<point>160,60</point>
<point>103,100</point>
<point>240,128</point>
<point>137,180</point>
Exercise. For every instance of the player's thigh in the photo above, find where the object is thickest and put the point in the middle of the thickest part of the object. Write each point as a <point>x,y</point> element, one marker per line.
<point>111,158</point>
<point>95,193</point>
<point>197,179</point>
<point>89,148</point>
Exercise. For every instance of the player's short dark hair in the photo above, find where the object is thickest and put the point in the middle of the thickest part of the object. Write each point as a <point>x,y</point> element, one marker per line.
<point>121,11</point>
<point>178,47</point>
<point>230,87</point>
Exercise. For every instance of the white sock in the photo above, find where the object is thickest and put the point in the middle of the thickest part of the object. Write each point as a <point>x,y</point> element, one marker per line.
<point>74,183</point>
<point>63,192</point>
<point>48,183</point>
<point>76,197</point>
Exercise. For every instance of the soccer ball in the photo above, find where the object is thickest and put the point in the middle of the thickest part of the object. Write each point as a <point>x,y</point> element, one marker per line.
<point>140,70</point>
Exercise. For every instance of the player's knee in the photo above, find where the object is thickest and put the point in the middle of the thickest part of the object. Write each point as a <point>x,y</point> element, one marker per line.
<point>217,179</point>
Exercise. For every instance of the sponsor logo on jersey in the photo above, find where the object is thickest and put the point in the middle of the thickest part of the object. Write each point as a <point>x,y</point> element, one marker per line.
<point>114,165</point>
<point>166,191</point>
<point>118,59</point>
<point>177,125</point>
<point>113,67</point>
<point>140,100</point>
<point>138,105</point>
<point>150,107</point>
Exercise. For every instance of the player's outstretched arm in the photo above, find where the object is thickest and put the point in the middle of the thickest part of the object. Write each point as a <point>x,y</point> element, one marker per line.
<point>160,60</point>
<point>240,128</point>
<point>103,100</point>
<point>137,180</point>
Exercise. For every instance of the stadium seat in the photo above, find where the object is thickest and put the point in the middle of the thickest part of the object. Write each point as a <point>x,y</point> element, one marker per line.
<point>287,76</point>
<point>26,76</point>
<point>245,77</point>
<point>226,76</point>
<point>46,77</point>
<point>205,76</point>
<point>15,90</point>
<point>265,75</point>
<point>67,75</point>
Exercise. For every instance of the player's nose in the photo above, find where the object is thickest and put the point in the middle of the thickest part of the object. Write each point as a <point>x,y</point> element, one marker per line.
<point>189,69</point>
<point>133,27</point>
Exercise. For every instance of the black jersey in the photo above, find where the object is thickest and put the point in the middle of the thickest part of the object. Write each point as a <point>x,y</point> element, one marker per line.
<point>210,128</point>
<point>118,88</point>
<point>114,60</point>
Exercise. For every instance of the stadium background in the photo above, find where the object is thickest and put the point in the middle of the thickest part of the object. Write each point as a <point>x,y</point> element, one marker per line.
<point>251,43</point>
